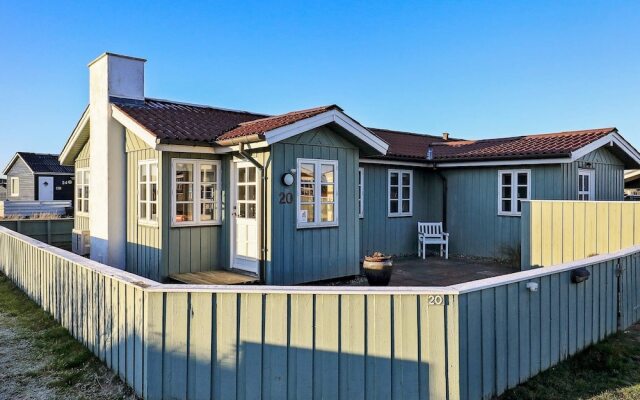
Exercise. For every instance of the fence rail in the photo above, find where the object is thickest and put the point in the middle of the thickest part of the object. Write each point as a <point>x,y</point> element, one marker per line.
<point>466,341</point>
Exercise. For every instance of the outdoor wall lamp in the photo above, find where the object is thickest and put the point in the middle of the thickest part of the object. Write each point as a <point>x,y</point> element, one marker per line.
<point>580,275</point>
<point>532,286</point>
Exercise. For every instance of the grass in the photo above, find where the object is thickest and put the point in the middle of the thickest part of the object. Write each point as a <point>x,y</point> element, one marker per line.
<point>64,366</point>
<point>607,370</point>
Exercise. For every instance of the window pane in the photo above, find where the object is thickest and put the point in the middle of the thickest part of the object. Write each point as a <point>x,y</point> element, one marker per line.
<point>142,190</point>
<point>393,206</point>
<point>184,212</point>
<point>306,173</point>
<point>242,192</point>
<point>154,172</point>
<point>393,192</point>
<point>506,179</point>
<point>506,192</point>
<point>143,211</point>
<point>79,192</point>
<point>154,192</point>
<point>394,178</point>
<point>406,192</point>
<point>154,211</point>
<point>522,179</point>
<point>585,184</point>
<point>251,192</point>
<point>519,206</point>
<point>406,180</point>
<point>87,175</point>
<point>506,205</point>
<point>184,172</point>
<point>251,210</point>
<point>206,212</point>
<point>405,206</point>
<point>86,205</point>
<point>307,213</point>
<point>206,192</point>
<point>306,193</point>
<point>184,192</point>
<point>327,173</point>
<point>142,173</point>
<point>85,194</point>
<point>252,174</point>
<point>207,173</point>
<point>326,193</point>
<point>326,213</point>
<point>522,192</point>
<point>242,175</point>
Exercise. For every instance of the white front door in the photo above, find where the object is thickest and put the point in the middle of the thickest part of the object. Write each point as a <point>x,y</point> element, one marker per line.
<point>45,188</point>
<point>586,184</point>
<point>245,215</point>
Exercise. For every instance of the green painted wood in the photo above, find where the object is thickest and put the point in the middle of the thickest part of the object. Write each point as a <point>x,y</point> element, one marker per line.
<point>301,345</point>
<point>326,347</point>
<point>353,351</point>
<point>174,366</point>
<point>274,363</point>
<point>406,362</point>
<point>199,374</point>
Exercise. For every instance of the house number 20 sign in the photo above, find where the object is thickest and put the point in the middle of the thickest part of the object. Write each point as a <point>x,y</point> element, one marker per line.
<point>435,299</point>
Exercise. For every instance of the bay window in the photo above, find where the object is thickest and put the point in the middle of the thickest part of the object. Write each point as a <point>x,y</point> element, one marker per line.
<point>317,193</point>
<point>195,192</point>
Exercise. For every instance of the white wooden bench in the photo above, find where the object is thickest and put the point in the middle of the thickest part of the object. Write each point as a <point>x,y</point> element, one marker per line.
<point>431,233</point>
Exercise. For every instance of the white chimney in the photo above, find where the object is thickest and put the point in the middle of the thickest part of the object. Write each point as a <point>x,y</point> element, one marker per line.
<point>110,76</point>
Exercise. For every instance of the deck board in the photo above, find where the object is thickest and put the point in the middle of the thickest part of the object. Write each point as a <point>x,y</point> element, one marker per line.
<point>214,278</point>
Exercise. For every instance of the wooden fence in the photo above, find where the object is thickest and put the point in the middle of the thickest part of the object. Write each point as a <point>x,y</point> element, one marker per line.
<point>56,232</point>
<point>467,341</point>
<point>555,232</point>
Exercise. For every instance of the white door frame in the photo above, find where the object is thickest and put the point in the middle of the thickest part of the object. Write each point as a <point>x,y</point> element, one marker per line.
<point>42,179</point>
<point>591,173</point>
<point>251,267</point>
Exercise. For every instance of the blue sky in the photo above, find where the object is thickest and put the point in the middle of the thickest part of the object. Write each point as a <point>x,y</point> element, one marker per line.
<point>474,69</point>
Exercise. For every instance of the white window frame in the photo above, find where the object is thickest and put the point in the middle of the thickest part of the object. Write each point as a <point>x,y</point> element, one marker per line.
<point>400,199</point>
<point>147,187</point>
<point>317,223</point>
<point>514,191</point>
<point>80,183</point>
<point>591,174</point>
<point>15,180</point>
<point>361,192</point>
<point>197,163</point>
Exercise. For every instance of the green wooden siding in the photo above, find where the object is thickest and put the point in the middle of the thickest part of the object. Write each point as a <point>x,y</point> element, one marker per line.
<point>81,222</point>
<point>609,175</point>
<point>192,248</point>
<point>311,254</point>
<point>144,251</point>
<point>396,235</point>
<point>56,232</point>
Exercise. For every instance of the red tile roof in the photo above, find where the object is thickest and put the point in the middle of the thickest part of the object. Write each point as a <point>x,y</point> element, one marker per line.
<point>406,145</point>
<point>173,122</point>
<point>260,126</point>
<point>548,145</point>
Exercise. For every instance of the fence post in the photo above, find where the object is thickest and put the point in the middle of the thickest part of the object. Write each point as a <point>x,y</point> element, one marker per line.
<point>48,231</point>
<point>525,236</point>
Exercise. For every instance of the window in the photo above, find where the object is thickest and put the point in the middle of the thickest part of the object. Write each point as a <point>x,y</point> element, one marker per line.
<point>317,195</point>
<point>82,190</point>
<point>195,192</point>
<point>14,184</point>
<point>400,200</point>
<point>586,179</point>
<point>361,192</point>
<point>513,187</point>
<point>148,191</point>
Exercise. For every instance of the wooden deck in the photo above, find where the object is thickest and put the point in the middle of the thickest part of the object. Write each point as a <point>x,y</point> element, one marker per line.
<point>219,277</point>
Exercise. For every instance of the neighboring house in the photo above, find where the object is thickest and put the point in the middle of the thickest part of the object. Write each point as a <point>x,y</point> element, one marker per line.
<point>166,187</point>
<point>632,182</point>
<point>33,176</point>
<point>3,189</point>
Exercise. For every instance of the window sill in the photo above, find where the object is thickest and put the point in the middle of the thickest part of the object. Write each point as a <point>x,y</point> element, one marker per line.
<point>502,214</point>
<point>149,224</point>
<point>81,214</point>
<point>194,224</point>
<point>303,226</point>
<point>399,215</point>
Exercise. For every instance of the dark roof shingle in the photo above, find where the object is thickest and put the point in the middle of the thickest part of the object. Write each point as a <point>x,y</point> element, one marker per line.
<point>406,145</point>
<point>173,122</point>
<point>548,145</point>
<point>45,163</point>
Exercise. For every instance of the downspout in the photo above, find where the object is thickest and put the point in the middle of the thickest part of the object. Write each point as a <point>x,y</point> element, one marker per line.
<point>263,206</point>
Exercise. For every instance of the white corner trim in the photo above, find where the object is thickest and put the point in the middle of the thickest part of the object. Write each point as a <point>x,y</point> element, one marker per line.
<point>84,120</point>
<point>330,116</point>
<point>133,125</point>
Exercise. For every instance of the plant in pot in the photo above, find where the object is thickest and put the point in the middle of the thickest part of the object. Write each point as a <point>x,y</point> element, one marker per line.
<point>377,269</point>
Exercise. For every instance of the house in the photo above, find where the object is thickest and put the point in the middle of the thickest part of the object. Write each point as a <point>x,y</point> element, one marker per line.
<point>34,176</point>
<point>165,187</point>
<point>36,184</point>
<point>3,189</point>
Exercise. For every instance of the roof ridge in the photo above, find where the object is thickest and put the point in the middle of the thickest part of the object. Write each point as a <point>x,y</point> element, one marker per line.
<point>182,103</point>
<point>328,107</point>
<point>535,135</point>
<point>408,133</point>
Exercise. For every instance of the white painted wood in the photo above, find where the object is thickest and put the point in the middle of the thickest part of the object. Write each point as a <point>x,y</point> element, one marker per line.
<point>45,188</point>
<point>586,184</point>
<point>432,233</point>
<point>361,192</point>
<point>513,173</point>
<point>301,220</point>
<point>400,173</point>
<point>197,201</point>
<point>245,229</point>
